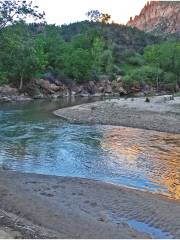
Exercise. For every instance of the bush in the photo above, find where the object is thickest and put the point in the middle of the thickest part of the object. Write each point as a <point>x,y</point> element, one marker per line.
<point>3,78</point>
<point>129,82</point>
<point>146,74</point>
<point>136,60</point>
<point>169,77</point>
<point>169,82</point>
<point>118,71</point>
<point>143,75</point>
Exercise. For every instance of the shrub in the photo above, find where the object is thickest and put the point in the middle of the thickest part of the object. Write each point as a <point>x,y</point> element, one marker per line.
<point>136,60</point>
<point>169,77</point>
<point>146,74</point>
<point>3,78</point>
<point>169,82</point>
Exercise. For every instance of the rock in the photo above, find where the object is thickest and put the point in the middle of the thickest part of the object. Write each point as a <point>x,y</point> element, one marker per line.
<point>10,94</point>
<point>78,89</point>
<point>103,78</point>
<point>147,100</point>
<point>54,87</point>
<point>118,87</point>
<point>119,79</point>
<point>139,94</point>
<point>84,94</point>
<point>5,235</point>
<point>4,99</point>
<point>104,87</point>
<point>108,89</point>
<point>6,90</point>
<point>97,95</point>
<point>101,89</point>
<point>159,17</point>
<point>49,77</point>
<point>91,87</point>
<point>45,84</point>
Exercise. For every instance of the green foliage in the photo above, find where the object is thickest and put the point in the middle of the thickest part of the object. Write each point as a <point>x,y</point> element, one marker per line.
<point>97,16</point>
<point>165,56</point>
<point>169,77</point>
<point>21,57</point>
<point>136,60</point>
<point>127,68</point>
<point>142,75</point>
<point>12,11</point>
<point>78,64</point>
<point>85,51</point>
<point>3,78</point>
<point>97,55</point>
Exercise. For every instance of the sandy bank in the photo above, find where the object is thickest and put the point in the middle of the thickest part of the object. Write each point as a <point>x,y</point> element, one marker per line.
<point>160,114</point>
<point>79,208</point>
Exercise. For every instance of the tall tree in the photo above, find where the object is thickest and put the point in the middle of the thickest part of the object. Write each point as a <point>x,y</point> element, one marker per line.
<point>97,16</point>
<point>12,11</point>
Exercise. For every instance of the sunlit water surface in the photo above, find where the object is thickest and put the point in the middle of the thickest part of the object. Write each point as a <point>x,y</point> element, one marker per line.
<point>33,140</point>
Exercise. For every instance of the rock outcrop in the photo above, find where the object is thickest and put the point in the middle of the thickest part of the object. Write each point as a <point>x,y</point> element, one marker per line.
<point>158,17</point>
<point>43,88</point>
<point>11,94</point>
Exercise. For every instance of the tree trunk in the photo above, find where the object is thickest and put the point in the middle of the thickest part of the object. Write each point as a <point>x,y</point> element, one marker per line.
<point>157,82</point>
<point>21,83</point>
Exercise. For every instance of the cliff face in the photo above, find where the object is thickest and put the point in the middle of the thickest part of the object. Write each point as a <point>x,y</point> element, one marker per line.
<point>158,17</point>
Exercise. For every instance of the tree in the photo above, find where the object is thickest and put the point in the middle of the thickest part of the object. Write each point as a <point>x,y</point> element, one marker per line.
<point>97,55</point>
<point>108,59</point>
<point>21,57</point>
<point>12,11</point>
<point>54,47</point>
<point>97,16</point>
<point>105,18</point>
<point>31,61</point>
<point>94,15</point>
<point>77,64</point>
<point>165,56</point>
<point>152,55</point>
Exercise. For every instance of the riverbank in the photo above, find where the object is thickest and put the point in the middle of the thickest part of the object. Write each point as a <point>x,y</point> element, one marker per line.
<point>161,113</point>
<point>80,208</point>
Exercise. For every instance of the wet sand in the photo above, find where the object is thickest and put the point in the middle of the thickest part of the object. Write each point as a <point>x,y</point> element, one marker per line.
<point>160,114</point>
<point>64,207</point>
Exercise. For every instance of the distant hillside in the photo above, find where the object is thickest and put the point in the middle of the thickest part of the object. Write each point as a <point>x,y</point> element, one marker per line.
<point>124,37</point>
<point>158,17</point>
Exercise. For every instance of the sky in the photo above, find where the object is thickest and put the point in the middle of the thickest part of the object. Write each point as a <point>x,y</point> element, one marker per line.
<point>67,11</point>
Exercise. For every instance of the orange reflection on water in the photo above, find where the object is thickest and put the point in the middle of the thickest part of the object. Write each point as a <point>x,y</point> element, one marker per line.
<point>155,152</point>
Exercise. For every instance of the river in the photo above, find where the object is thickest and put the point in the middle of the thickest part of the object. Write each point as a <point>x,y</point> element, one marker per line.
<point>33,140</point>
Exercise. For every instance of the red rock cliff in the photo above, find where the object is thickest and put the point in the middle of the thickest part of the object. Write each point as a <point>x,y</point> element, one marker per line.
<point>159,17</point>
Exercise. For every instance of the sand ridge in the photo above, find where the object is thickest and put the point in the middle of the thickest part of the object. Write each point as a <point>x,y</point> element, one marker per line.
<point>82,208</point>
<point>160,114</point>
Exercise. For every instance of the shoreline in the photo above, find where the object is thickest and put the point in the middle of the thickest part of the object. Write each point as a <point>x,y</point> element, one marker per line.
<point>70,207</point>
<point>160,114</point>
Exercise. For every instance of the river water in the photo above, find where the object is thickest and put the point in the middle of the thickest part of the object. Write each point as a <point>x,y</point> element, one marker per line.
<point>33,140</point>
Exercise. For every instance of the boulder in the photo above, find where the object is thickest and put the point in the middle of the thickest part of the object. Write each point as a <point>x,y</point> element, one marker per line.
<point>108,89</point>
<point>45,84</point>
<point>54,87</point>
<point>118,87</point>
<point>49,87</point>
<point>119,78</point>
<point>104,78</point>
<point>101,89</point>
<point>91,87</point>
<point>6,90</point>
<point>4,99</point>
<point>104,87</point>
